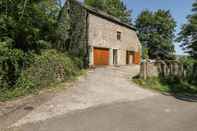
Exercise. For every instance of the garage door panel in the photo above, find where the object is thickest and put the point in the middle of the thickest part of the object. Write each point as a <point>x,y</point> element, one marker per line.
<point>101,56</point>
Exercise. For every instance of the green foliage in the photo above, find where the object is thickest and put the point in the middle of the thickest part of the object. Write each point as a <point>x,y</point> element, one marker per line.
<point>28,24</point>
<point>113,7</point>
<point>177,85</point>
<point>12,61</point>
<point>46,69</point>
<point>152,83</point>
<point>156,33</point>
<point>170,84</point>
<point>190,65</point>
<point>72,33</point>
<point>188,34</point>
<point>145,53</point>
<point>99,4</point>
<point>49,68</point>
<point>28,27</point>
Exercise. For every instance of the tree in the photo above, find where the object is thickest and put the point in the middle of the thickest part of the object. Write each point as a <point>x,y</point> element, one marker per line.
<point>99,4</point>
<point>113,7</point>
<point>25,28</point>
<point>27,24</point>
<point>156,33</point>
<point>188,34</point>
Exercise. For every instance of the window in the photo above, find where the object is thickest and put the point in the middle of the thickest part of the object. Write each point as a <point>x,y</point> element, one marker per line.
<point>118,35</point>
<point>68,11</point>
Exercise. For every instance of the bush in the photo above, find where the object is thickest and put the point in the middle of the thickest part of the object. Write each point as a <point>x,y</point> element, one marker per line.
<point>191,69</point>
<point>177,85</point>
<point>171,84</point>
<point>11,65</point>
<point>47,68</point>
<point>22,73</point>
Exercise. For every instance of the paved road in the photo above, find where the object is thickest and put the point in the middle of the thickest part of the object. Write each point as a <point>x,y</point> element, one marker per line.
<point>158,113</point>
<point>106,100</point>
<point>98,87</point>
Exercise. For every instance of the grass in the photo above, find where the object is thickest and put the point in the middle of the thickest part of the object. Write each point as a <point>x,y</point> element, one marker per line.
<point>11,94</point>
<point>169,85</point>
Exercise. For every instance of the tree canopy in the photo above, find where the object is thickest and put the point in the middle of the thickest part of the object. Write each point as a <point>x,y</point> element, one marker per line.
<point>156,33</point>
<point>26,27</point>
<point>26,24</point>
<point>188,34</point>
<point>113,7</point>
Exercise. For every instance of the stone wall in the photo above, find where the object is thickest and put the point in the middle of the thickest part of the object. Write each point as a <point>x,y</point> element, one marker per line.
<point>81,30</point>
<point>103,33</point>
<point>162,68</point>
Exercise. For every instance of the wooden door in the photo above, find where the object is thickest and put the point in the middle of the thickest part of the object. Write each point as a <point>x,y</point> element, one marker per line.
<point>129,57</point>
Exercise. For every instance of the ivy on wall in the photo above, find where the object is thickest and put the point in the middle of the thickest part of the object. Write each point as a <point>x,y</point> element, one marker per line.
<point>73,30</point>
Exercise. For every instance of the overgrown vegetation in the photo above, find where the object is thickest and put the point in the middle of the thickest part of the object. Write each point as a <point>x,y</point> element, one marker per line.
<point>170,84</point>
<point>114,7</point>
<point>48,68</point>
<point>73,37</point>
<point>29,57</point>
<point>191,68</point>
<point>186,82</point>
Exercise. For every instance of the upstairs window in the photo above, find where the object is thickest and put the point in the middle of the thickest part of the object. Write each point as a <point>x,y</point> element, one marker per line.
<point>68,10</point>
<point>119,35</point>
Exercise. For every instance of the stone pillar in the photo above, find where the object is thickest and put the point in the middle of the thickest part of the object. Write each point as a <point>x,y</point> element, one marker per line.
<point>143,70</point>
<point>110,56</point>
<point>165,69</point>
<point>180,71</point>
<point>91,56</point>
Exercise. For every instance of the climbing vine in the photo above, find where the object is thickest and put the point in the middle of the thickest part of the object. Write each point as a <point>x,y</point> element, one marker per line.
<point>73,24</point>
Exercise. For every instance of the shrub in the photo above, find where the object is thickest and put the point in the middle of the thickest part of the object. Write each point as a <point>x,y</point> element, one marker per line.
<point>11,65</point>
<point>47,68</point>
<point>171,84</point>
<point>191,69</point>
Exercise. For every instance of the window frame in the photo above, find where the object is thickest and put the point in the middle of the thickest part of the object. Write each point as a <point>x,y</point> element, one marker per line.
<point>119,35</point>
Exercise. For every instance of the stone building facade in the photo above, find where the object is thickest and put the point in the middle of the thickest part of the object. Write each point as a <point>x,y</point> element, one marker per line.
<point>106,41</point>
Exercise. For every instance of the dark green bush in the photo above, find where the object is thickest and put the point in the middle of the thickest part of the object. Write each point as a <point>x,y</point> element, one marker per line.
<point>11,65</point>
<point>48,68</point>
<point>190,65</point>
<point>170,84</point>
<point>177,85</point>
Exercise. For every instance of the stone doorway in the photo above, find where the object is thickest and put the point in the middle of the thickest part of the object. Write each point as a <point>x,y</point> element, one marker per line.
<point>115,56</point>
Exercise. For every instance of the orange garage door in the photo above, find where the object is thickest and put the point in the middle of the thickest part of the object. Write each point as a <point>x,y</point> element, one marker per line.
<point>137,58</point>
<point>101,56</point>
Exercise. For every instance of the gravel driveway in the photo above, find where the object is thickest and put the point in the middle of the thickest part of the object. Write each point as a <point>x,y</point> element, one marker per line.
<point>100,86</point>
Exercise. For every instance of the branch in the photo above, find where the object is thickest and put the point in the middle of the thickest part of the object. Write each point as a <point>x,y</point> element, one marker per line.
<point>24,6</point>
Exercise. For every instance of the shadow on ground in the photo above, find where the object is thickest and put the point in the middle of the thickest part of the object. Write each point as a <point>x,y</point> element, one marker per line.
<point>183,97</point>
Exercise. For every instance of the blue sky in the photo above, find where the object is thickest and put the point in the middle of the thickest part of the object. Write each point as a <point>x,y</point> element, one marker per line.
<point>178,8</point>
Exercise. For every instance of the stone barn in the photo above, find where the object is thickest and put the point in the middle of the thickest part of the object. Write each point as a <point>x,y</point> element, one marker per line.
<point>97,37</point>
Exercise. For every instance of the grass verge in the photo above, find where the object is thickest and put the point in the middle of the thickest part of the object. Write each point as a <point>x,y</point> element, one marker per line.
<point>169,85</point>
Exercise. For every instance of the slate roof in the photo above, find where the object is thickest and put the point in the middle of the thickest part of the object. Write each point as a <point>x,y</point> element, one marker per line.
<point>106,16</point>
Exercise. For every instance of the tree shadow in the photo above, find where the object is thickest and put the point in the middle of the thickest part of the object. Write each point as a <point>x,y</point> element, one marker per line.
<point>180,89</point>
<point>183,97</point>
